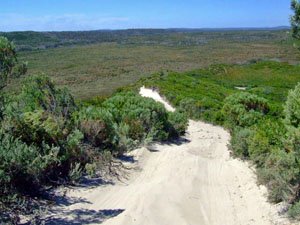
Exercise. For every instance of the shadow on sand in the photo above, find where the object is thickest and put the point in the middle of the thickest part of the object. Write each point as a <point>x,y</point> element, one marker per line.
<point>59,197</point>
<point>88,216</point>
<point>59,200</point>
<point>93,182</point>
<point>179,141</point>
<point>84,216</point>
<point>126,158</point>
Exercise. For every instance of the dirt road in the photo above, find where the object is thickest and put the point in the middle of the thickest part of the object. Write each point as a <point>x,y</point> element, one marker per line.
<point>193,182</point>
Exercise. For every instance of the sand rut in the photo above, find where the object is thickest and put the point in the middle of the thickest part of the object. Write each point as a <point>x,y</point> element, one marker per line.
<point>195,182</point>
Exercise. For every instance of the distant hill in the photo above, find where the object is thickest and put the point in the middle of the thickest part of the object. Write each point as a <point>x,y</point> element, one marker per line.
<point>30,40</point>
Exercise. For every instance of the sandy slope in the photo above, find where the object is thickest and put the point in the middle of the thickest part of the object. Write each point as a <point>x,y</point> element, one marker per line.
<point>192,183</point>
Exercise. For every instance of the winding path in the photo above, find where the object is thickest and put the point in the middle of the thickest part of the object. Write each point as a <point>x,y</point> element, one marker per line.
<point>194,182</point>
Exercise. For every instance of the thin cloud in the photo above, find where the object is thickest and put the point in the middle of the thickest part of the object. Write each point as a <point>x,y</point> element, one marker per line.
<point>17,22</point>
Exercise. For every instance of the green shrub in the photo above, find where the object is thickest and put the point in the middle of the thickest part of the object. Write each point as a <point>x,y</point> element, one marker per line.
<point>292,121</point>
<point>267,135</point>
<point>8,60</point>
<point>97,125</point>
<point>23,167</point>
<point>74,139</point>
<point>141,119</point>
<point>75,172</point>
<point>205,109</point>
<point>178,124</point>
<point>278,167</point>
<point>126,120</point>
<point>191,107</point>
<point>95,101</point>
<point>91,169</point>
<point>136,130</point>
<point>40,126</point>
<point>20,69</point>
<point>42,113</point>
<point>292,108</point>
<point>39,117</point>
<point>239,142</point>
<point>280,173</point>
<point>244,109</point>
<point>152,118</point>
<point>259,147</point>
<point>124,141</point>
<point>294,211</point>
<point>40,93</point>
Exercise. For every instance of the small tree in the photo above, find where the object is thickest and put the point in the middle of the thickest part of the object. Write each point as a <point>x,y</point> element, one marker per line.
<point>295,19</point>
<point>292,108</point>
<point>292,119</point>
<point>8,62</point>
<point>9,67</point>
<point>8,59</point>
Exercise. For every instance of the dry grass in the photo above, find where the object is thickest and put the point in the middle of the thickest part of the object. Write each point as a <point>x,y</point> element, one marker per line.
<point>99,69</point>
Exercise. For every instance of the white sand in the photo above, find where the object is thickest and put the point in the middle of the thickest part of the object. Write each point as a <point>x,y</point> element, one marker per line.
<point>149,93</point>
<point>241,88</point>
<point>194,183</point>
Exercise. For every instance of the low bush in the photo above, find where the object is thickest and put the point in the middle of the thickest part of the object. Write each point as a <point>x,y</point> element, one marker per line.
<point>191,107</point>
<point>97,125</point>
<point>239,142</point>
<point>280,173</point>
<point>292,108</point>
<point>23,167</point>
<point>150,117</point>
<point>39,140</point>
<point>292,121</point>
<point>42,113</point>
<point>178,124</point>
<point>124,141</point>
<point>259,147</point>
<point>294,211</point>
<point>244,109</point>
<point>126,120</point>
<point>9,66</point>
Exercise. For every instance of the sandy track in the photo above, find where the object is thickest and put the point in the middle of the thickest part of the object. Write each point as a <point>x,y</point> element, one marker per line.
<point>195,182</point>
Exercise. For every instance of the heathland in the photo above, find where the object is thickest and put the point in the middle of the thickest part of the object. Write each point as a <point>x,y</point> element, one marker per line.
<point>109,63</point>
<point>243,80</point>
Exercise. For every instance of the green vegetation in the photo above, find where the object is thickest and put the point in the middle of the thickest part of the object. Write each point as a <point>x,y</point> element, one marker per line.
<point>100,68</point>
<point>29,40</point>
<point>295,19</point>
<point>244,109</point>
<point>9,66</point>
<point>126,120</point>
<point>263,119</point>
<point>46,139</point>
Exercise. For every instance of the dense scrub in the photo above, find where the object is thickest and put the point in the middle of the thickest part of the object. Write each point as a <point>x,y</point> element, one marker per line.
<point>99,69</point>
<point>264,119</point>
<point>126,120</point>
<point>29,40</point>
<point>47,139</point>
<point>244,109</point>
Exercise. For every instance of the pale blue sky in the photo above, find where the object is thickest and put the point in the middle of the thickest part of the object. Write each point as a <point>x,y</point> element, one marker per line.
<point>42,15</point>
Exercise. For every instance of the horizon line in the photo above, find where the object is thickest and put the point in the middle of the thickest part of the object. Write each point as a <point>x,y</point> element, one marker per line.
<point>283,27</point>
